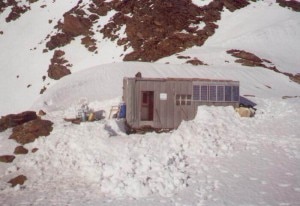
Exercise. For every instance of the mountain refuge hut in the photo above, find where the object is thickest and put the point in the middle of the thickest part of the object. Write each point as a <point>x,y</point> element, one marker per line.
<point>162,103</point>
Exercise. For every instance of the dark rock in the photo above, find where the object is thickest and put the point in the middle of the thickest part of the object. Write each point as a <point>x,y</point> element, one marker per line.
<point>234,5</point>
<point>41,113</point>
<point>16,12</point>
<point>294,5</point>
<point>58,71</point>
<point>59,66</point>
<point>34,150</point>
<point>20,150</point>
<point>59,40</point>
<point>19,180</point>
<point>7,158</point>
<point>13,120</point>
<point>195,62</point>
<point>29,131</point>
<point>76,25</point>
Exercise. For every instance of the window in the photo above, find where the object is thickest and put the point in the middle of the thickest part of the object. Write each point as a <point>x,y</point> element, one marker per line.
<point>212,93</point>
<point>183,99</point>
<point>236,93</point>
<point>196,92</point>
<point>204,93</point>
<point>227,93</point>
<point>188,99</point>
<point>220,93</point>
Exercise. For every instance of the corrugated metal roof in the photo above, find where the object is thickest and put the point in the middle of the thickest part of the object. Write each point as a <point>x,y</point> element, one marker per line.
<point>177,79</point>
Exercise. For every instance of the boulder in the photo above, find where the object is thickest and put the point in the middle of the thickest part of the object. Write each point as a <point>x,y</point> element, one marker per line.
<point>13,120</point>
<point>245,112</point>
<point>7,158</point>
<point>19,180</point>
<point>20,150</point>
<point>29,131</point>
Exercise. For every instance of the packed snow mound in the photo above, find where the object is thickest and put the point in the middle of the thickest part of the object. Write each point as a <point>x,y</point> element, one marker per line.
<point>118,165</point>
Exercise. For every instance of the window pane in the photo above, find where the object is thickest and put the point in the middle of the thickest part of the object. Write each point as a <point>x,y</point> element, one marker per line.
<point>220,93</point>
<point>212,93</point>
<point>227,93</point>
<point>236,93</point>
<point>189,100</point>
<point>183,99</point>
<point>196,92</point>
<point>177,99</point>
<point>204,93</point>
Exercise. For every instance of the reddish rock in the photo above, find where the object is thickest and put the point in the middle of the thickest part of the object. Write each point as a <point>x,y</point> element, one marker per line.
<point>247,58</point>
<point>29,131</point>
<point>20,150</point>
<point>294,5</point>
<point>195,62</point>
<point>16,12</point>
<point>7,158</point>
<point>59,66</point>
<point>58,71</point>
<point>234,5</point>
<point>19,180</point>
<point>59,40</point>
<point>76,25</point>
<point>13,120</point>
<point>34,150</point>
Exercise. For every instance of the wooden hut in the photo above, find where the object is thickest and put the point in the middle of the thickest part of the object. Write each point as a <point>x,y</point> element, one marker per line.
<point>162,103</point>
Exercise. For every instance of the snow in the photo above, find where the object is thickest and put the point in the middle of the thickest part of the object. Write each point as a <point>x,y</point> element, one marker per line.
<point>216,159</point>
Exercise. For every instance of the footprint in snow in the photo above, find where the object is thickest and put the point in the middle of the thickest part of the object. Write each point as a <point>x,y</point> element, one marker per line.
<point>284,204</point>
<point>237,175</point>
<point>283,185</point>
<point>263,182</point>
<point>289,174</point>
<point>297,189</point>
<point>253,178</point>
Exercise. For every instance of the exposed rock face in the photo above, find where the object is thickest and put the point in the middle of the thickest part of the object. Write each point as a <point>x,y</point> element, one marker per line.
<point>7,158</point>
<point>294,5</point>
<point>246,58</point>
<point>76,25</point>
<point>20,150</point>
<point>19,180</point>
<point>16,12</point>
<point>234,5</point>
<point>249,59</point>
<point>59,66</point>
<point>29,131</point>
<point>13,120</point>
<point>154,29</point>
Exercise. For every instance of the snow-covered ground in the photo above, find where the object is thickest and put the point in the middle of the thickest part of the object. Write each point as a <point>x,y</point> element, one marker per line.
<point>216,159</point>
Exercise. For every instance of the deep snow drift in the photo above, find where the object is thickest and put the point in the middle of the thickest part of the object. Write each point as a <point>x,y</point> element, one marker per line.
<point>216,159</point>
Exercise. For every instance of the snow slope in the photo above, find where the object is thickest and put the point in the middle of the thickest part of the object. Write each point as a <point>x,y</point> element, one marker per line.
<point>216,159</point>
<point>23,63</point>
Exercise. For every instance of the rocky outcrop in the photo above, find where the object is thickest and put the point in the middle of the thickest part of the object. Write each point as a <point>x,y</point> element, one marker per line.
<point>154,29</point>
<point>247,58</point>
<point>7,158</point>
<point>195,62</point>
<point>294,5</point>
<point>235,5</point>
<point>29,131</point>
<point>251,60</point>
<point>19,180</point>
<point>13,120</point>
<point>17,8</point>
<point>59,66</point>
